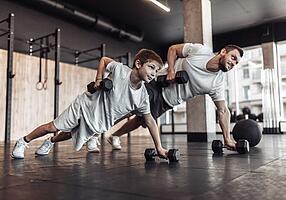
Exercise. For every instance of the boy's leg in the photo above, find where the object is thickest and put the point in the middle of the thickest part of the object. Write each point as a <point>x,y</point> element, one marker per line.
<point>22,143</point>
<point>92,144</point>
<point>62,136</point>
<point>48,144</point>
<point>41,131</point>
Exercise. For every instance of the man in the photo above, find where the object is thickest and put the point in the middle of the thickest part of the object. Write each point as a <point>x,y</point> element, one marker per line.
<point>206,72</point>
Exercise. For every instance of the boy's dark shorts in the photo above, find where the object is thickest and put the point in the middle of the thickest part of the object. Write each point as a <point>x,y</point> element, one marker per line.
<point>157,103</point>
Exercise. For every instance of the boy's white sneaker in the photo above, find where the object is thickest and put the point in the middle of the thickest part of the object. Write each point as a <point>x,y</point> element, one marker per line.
<point>115,142</point>
<point>45,148</point>
<point>19,149</point>
<point>92,145</point>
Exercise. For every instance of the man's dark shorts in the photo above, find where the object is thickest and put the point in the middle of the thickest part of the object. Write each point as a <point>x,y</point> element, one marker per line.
<point>157,103</point>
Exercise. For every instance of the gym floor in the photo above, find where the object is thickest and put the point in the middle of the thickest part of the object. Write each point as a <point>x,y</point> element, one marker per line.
<point>65,174</point>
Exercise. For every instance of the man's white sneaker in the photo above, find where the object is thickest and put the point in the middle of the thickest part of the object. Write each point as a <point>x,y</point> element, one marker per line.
<point>45,148</point>
<point>19,149</point>
<point>92,145</point>
<point>115,142</point>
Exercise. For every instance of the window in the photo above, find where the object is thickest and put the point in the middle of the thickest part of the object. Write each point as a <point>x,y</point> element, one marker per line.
<point>246,92</point>
<point>245,73</point>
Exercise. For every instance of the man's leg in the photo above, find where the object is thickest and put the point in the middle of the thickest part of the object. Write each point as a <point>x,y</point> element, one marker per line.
<point>129,126</point>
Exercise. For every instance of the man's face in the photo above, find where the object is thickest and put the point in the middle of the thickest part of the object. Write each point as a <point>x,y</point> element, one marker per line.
<point>148,70</point>
<point>228,59</point>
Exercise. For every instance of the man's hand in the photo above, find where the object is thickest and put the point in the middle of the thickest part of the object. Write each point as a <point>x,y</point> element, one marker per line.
<point>171,74</point>
<point>230,144</point>
<point>162,153</point>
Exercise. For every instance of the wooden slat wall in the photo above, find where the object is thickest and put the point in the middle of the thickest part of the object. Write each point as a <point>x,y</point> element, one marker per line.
<point>74,80</point>
<point>32,107</point>
<point>3,68</point>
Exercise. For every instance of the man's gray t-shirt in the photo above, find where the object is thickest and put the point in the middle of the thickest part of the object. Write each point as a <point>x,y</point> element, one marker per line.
<point>201,81</point>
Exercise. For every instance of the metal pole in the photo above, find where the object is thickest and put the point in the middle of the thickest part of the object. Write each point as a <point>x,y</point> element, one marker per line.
<point>103,48</point>
<point>10,76</point>
<point>173,121</point>
<point>57,73</point>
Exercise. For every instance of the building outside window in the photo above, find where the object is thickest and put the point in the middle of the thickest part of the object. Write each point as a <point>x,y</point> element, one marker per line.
<point>244,85</point>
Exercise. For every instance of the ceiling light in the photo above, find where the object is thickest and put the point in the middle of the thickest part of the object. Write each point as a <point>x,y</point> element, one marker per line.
<point>160,5</point>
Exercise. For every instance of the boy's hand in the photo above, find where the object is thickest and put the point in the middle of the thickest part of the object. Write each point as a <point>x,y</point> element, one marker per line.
<point>97,83</point>
<point>162,153</point>
<point>230,144</point>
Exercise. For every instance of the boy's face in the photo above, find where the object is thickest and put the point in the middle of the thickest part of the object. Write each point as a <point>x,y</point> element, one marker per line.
<point>148,70</point>
<point>229,59</point>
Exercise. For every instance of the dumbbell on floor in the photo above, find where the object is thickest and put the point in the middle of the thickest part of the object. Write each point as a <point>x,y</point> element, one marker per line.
<point>242,146</point>
<point>106,85</point>
<point>181,77</point>
<point>173,155</point>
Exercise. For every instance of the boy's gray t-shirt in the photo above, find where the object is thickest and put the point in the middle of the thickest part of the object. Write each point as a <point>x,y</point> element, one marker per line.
<point>102,109</point>
<point>201,81</point>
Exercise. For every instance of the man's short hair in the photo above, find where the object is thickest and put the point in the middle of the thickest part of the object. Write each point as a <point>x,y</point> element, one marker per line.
<point>231,47</point>
<point>146,55</point>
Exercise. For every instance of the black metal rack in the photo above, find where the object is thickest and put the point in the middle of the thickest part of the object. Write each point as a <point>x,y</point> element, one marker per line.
<point>56,47</point>
<point>10,75</point>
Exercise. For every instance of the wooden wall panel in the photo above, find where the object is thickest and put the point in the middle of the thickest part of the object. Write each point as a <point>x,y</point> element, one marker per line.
<point>74,80</point>
<point>30,107</point>
<point>3,68</point>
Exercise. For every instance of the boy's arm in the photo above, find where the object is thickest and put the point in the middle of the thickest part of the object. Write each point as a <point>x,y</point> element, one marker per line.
<point>104,61</point>
<point>224,122</point>
<point>174,51</point>
<point>153,129</point>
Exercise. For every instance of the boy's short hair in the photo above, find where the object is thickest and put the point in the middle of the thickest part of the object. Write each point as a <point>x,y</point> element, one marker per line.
<point>231,47</point>
<point>146,55</point>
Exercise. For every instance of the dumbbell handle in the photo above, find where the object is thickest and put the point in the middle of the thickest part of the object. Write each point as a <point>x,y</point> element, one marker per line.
<point>242,146</point>
<point>181,77</point>
<point>173,154</point>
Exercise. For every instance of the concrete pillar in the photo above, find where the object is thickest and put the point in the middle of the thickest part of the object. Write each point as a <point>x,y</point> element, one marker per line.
<point>201,125</point>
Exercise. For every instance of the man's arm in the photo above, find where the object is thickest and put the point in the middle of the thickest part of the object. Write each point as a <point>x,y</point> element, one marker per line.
<point>104,61</point>
<point>153,129</point>
<point>174,51</point>
<point>224,122</point>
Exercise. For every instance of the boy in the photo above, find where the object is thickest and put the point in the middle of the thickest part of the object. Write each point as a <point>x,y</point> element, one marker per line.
<point>95,113</point>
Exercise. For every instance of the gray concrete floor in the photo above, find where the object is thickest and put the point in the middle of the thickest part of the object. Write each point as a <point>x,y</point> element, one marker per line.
<point>65,174</point>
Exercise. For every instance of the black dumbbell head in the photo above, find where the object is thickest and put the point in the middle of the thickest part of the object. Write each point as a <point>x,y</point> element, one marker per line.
<point>182,77</point>
<point>106,84</point>
<point>162,81</point>
<point>150,154</point>
<point>173,155</point>
<point>90,87</point>
<point>217,146</point>
<point>242,146</point>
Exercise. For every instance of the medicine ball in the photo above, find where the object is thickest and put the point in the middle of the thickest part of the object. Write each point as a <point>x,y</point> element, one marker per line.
<point>249,130</point>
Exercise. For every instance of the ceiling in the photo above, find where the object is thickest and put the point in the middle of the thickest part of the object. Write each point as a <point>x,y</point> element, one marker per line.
<point>162,28</point>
